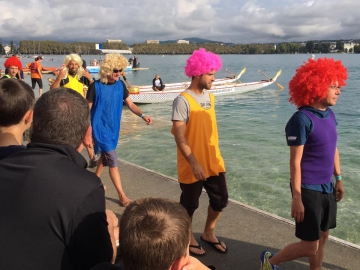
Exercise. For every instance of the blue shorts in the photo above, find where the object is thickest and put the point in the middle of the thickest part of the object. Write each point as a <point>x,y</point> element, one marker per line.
<point>109,159</point>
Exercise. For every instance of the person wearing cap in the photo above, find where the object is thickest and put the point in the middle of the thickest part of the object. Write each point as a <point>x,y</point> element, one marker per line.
<point>314,161</point>
<point>36,74</point>
<point>199,161</point>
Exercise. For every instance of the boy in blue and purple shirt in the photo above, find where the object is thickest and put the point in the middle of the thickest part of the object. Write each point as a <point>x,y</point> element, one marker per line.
<point>314,159</point>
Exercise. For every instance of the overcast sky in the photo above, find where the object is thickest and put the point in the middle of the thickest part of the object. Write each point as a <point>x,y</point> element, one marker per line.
<point>236,21</point>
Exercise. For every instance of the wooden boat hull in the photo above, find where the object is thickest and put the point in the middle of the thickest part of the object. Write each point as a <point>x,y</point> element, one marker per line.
<point>146,97</point>
<point>185,84</point>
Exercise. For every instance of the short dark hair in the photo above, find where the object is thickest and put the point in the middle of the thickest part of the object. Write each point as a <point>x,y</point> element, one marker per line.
<point>154,233</point>
<point>61,116</point>
<point>16,98</point>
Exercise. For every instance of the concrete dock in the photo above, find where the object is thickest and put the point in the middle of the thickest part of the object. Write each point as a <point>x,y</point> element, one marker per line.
<point>246,231</point>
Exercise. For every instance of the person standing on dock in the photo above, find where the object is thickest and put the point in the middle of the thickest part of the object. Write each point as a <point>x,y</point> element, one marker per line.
<point>199,160</point>
<point>314,160</point>
<point>105,98</point>
<point>74,76</point>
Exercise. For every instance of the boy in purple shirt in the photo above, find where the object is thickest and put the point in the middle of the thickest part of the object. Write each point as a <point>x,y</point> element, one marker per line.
<point>314,158</point>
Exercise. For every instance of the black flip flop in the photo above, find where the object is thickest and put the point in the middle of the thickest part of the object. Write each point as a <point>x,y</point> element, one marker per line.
<point>196,254</point>
<point>214,244</point>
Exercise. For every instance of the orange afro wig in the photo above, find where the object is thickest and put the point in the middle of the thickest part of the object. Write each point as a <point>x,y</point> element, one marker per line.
<point>12,61</point>
<point>313,78</point>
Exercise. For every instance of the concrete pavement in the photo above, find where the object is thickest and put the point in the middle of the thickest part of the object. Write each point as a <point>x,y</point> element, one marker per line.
<point>246,231</point>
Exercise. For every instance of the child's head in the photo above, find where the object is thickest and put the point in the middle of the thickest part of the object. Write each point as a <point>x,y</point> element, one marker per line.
<point>313,78</point>
<point>154,234</point>
<point>16,99</point>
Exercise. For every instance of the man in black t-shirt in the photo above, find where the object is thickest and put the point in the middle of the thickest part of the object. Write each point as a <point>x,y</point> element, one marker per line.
<point>52,209</point>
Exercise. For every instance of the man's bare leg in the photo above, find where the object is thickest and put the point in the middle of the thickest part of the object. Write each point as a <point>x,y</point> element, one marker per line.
<point>208,233</point>
<point>99,169</point>
<point>40,92</point>
<point>115,178</point>
<point>193,242</point>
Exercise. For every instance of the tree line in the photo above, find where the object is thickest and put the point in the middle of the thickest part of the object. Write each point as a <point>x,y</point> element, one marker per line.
<point>86,48</point>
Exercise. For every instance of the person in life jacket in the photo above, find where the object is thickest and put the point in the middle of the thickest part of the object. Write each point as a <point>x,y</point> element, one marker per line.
<point>72,75</point>
<point>36,74</point>
<point>15,58</point>
<point>13,66</point>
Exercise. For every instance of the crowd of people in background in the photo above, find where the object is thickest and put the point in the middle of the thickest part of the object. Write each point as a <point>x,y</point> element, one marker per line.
<point>53,209</point>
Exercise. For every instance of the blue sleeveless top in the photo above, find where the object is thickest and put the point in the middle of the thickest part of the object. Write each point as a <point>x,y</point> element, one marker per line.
<point>106,115</point>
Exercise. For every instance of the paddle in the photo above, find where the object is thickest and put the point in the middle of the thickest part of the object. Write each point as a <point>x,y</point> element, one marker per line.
<point>277,75</point>
<point>241,73</point>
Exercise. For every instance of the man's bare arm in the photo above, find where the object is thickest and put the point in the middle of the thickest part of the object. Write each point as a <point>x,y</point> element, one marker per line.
<point>179,128</point>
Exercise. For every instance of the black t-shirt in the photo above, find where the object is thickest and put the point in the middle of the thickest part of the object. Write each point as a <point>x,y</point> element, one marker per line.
<point>52,211</point>
<point>8,150</point>
<point>91,93</point>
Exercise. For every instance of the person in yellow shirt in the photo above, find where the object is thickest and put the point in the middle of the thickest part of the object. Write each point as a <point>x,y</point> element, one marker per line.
<point>199,161</point>
<point>73,75</point>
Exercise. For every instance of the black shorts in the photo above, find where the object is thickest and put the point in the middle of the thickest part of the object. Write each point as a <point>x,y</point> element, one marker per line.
<point>216,189</point>
<point>320,214</point>
<point>35,81</point>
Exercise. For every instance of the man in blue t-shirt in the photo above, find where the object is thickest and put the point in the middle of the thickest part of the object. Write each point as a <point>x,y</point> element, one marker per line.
<point>106,97</point>
<point>314,159</point>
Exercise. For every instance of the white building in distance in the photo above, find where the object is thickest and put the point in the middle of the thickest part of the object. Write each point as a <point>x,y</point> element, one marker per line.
<point>349,45</point>
<point>7,49</point>
<point>114,40</point>
<point>183,41</point>
<point>152,41</point>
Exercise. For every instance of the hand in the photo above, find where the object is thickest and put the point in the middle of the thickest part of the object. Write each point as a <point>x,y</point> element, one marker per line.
<point>339,190</point>
<point>63,72</point>
<point>297,210</point>
<point>147,119</point>
<point>87,74</point>
<point>198,171</point>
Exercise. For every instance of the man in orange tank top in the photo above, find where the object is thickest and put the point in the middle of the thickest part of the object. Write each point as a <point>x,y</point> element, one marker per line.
<point>199,161</point>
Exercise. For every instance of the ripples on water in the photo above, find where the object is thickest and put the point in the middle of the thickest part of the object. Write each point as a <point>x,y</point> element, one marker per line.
<point>251,129</point>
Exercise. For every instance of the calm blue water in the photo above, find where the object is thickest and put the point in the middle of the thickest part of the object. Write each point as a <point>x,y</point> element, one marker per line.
<point>251,129</point>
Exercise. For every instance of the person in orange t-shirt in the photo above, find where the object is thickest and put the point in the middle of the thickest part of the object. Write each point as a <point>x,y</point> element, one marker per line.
<point>36,75</point>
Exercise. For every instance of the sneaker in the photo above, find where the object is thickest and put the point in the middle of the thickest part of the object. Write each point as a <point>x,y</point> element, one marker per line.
<point>97,156</point>
<point>92,163</point>
<point>264,261</point>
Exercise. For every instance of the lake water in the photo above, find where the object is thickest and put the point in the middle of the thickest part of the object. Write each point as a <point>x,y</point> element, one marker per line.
<point>251,130</point>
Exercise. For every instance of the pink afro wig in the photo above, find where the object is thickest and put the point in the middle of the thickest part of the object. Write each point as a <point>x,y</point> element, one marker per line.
<point>202,62</point>
<point>313,78</point>
<point>12,61</point>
